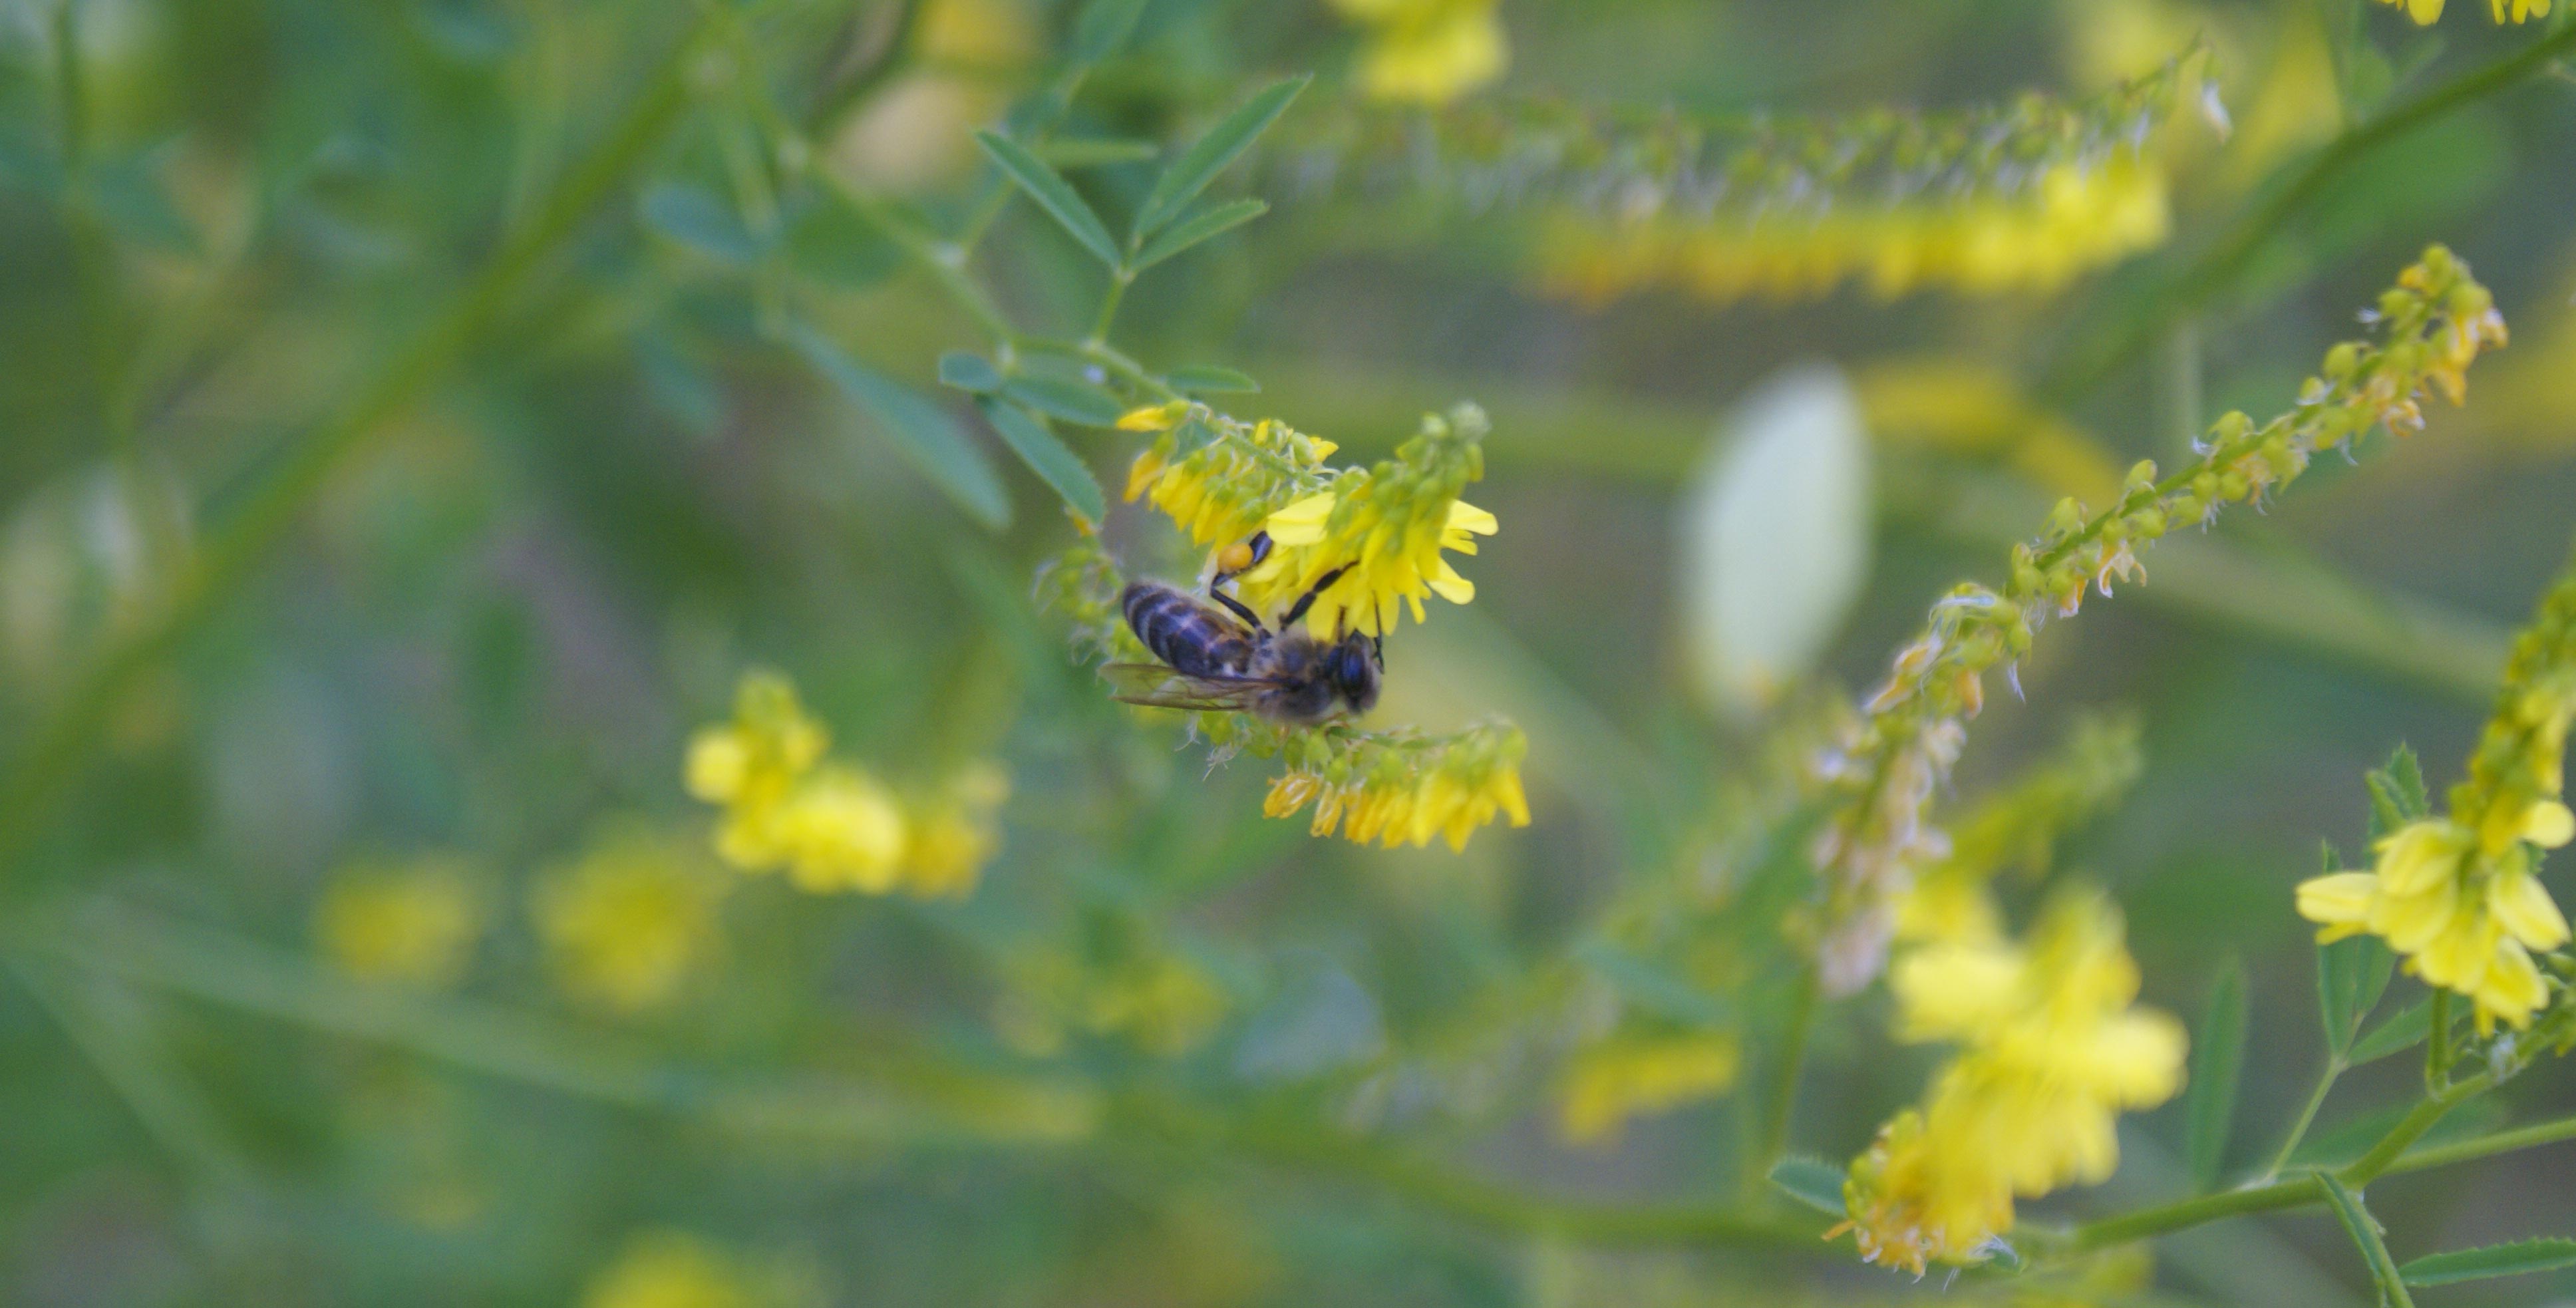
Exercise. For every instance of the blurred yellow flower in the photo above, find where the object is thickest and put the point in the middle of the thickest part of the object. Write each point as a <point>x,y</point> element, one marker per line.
<point>1630,1077</point>
<point>2069,220</point>
<point>673,1269</point>
<point>413,923</point>
<point>2050,1053</point>
<point>631,921</point>
<point>2426,12</point>
<point>1378,535</point>
<point>1427,51</point>
<point>829,825</point>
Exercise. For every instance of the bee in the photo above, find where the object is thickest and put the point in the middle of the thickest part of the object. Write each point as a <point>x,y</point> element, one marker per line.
<point>1228,661</point>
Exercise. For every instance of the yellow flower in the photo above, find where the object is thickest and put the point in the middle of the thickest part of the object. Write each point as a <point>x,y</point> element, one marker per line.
<point>2422,11</point>
<point>415,924</point>
<point>2464,913</point>
<point>954,833</point>
<point>1379,535</point>
<point>1428,51</point>
<point>1629,1077</point>
<point>2426,12</point>
<point>1216,477</point>
<point>672,1269</point>
<point>631,921</point>
<point>1394,788</point>
<point>833,826</point>
<point>2050,1053</point>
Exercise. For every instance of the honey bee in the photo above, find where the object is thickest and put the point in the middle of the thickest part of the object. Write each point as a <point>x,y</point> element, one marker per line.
<point>1213,661</point>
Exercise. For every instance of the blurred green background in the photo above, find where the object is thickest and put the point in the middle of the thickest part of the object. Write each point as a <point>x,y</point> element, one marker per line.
<point>395,423</point>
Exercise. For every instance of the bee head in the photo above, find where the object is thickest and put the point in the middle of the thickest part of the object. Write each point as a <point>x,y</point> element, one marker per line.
<point>1352,666</point>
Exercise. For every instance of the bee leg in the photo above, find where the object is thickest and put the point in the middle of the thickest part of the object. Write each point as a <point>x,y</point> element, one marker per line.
<point>1307,600</point>
<point>1237,607</point>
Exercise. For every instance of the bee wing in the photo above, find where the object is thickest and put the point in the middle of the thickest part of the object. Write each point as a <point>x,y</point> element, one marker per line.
<point>1157,686</point>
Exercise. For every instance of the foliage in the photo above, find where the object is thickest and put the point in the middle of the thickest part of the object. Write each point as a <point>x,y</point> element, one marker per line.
<point>565,580</point>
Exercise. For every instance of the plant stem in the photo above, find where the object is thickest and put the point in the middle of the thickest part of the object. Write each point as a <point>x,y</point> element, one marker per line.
<point>58,746</point>
<point>2411,1128</point>
<point>2307,1117</point>
<point>2437,1049</point>
<point>2092,356</point>
<point>2145,1222</point>
<point>1119,279</point>
<point>2364,1230</point>
<point>2485,1146</point>
<point>1781,1095</point>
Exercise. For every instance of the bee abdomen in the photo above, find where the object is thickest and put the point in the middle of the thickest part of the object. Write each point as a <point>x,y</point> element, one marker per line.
<point>1185,634</point>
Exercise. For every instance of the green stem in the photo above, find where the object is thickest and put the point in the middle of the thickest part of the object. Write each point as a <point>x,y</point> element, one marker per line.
<point>2307,1117</point>
<point>1781,1095</point>
<point>2411,1128</point>
<point>2364,1230</point>
<point>62,742</point>
<point>2437,1049</point>
<point>1119,279</point>
<point>2485,1146</point>
<point>2147,1222</point>
<point>2092,358</point>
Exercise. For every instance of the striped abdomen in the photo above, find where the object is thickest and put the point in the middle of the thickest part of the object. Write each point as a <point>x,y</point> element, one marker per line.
<point>1189,637</point>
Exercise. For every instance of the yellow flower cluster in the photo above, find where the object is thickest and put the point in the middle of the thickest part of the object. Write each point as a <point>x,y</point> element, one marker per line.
<point>2458,895</point>
<point>1632,1076</point>
<point>1217,477</point>
<point>2071,220</point>
<point>1428,51</point>
<point>413,923</point>
<point>632,920</point>
<point>2050,1053</point>
<point>1387,524</point>
<point>2433,324</point>
<point>2427,12</point>
<point>1397,788</point>
<point>834,827</point>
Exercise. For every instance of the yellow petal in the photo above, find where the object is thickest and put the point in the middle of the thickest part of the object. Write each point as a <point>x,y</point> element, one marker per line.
<point>1301,523</point>
<point>2548,824</point>
<point>1467,517</point>
<point>2512,988</point>
<point>2523,905</point>
<point>1452,587</point>
<point>1153,417</point>
<point>2343,897</point>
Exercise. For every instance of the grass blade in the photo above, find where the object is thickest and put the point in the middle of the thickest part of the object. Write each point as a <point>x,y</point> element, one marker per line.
<point>1053,194</point>
<point>1208,156</point>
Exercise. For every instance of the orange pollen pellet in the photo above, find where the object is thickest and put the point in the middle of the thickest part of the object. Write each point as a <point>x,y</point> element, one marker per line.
<point>1234,558</point>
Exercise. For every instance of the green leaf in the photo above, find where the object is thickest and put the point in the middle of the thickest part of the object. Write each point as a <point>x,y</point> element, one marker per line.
<point>2217,1059</point>
<point>1811,1181</point>
<point>1208,156</point>
<point>2519,1258</point>
<point>1208,379</point>
<point>698,219</point>
<point>828,241</point>
<point>1053,194</point>
<point>2364,1230</point>
<point>1095,151</point>
<point>1199,227</point>
<point>927,435</point>
<point>2403,1030</point>
<point>1103,27</point>
<point>2408,773</point>
<point>1070,400</point>
<point>1057,466</point>
<point>2397,794</point>
<point>968,372</point>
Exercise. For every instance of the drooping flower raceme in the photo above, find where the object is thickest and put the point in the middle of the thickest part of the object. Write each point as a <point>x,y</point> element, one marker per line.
<point>2458,895</point>
<point>1399,788</point>
<point>831,826</point>
<point>2433,323</point>
<point>2050,1053</point>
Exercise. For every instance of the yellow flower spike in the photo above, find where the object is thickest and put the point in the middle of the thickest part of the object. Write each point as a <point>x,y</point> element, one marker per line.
<point>1378,534</point>
<point>413,923</point>
<point>631,921</point>
<point>841,830</point>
